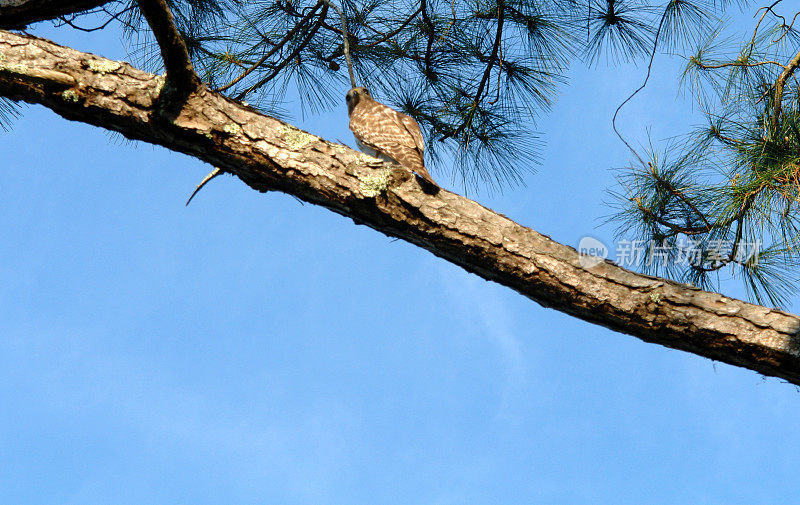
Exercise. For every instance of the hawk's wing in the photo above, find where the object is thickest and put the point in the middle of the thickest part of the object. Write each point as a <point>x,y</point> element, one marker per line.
<point>413,128</point>
<point>380,126</point>
<point>391,133</point>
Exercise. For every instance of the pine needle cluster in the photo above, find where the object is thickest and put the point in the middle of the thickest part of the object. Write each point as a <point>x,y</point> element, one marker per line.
<point>729,191</point>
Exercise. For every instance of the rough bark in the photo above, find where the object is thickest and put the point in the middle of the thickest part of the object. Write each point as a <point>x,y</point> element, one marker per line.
<point>20,13</point>
<point>268,154</point>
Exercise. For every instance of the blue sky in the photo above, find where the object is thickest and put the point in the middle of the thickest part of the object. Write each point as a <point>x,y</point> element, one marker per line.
<point>251,349</point>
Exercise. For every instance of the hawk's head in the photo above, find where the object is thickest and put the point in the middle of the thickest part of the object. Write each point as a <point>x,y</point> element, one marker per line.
<point>354,96</point>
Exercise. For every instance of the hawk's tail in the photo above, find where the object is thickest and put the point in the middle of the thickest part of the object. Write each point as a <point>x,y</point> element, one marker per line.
<point>423,172</point>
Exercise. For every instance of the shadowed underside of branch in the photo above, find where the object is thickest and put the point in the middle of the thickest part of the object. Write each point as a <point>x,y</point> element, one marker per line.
<point>20,13</point>
<point>268,155</point>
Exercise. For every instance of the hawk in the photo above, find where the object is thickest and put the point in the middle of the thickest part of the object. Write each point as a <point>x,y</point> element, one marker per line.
<point>384,133</point>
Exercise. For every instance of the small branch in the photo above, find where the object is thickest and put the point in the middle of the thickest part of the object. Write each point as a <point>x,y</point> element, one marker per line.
<point>690,231</point>
<point>243,64</point>
<point>205,181</point>
<point>766,10</point>
<point>24,12</point>
<point>640,88</point>
<point>485,79</point>
<point>769,9</point>
<point>450,23</point>
<point>112,17</point>
<point>735,64</point>
<point>679,194</point>
<point>345,40</point>
<point>278,68</point>
<point>180,72</point>
<point>392,33</point>
<point>431,33</point>
<point>498,39</point>
<point>289,35</point>
<point>718,262</point>
<point>779,85</point>
<point>787,28</point>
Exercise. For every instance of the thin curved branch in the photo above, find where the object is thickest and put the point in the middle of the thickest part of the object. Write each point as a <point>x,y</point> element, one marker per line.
<point>736,64</point>
<point>787,28</point>
<point>345,40</point>
<point>25,12</point>
<point>640,88</point>
<point>767,10</point>
<point>679,194</point>
<point>779,85</point>
<point>289,35</point>
<point>498,40</point>
<point>423,8</point>
<point>399,29</point>
<point>113,16</point>
<point>295,52</point>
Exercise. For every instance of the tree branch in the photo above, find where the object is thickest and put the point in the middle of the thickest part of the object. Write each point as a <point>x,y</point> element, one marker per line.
<point>21,13</point>
<point>268,154</point>
<point>294,54</point>
<point>174,52</point>
<point>69,20</point>
<point>345,38</point>
<point>779,85</point>
<point>498,40</point>
<point>289,35</point>
<point>399,29</point>
<point>423,8</point>
<point>640,88</point>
